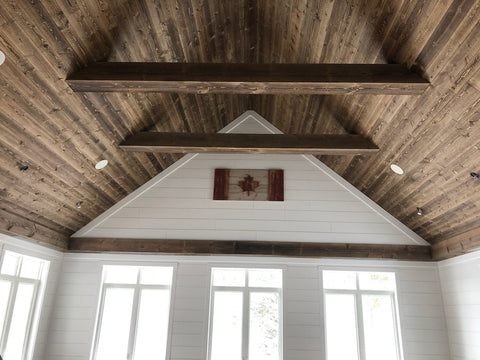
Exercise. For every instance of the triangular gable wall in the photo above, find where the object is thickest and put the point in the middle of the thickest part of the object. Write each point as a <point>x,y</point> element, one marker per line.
<point>319,206</point>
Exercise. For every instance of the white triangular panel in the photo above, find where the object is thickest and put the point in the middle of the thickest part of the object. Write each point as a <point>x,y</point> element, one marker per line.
<point>319,206</point>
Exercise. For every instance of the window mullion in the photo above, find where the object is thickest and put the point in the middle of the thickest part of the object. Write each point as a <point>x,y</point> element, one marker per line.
<point>395,325</point>
<point>133,322</point>
<point>18,278</point>
<point>100,318</point>
<point>19,266</point>
<point>9,315</point>
<point>361,334</point>
<point>359,312</point>
<point>10,306</point>
<point>210,323</point>
<point>246,324</point>
<point>30,318</point>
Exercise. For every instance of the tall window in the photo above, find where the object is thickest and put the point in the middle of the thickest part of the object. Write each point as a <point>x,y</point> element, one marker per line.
<point>245,314</point>
<point>21,280</point>
<point>134,313</point>
<point>360,311</point>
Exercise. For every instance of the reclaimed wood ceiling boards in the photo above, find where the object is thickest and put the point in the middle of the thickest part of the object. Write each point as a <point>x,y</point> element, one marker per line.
<point>60,135</point>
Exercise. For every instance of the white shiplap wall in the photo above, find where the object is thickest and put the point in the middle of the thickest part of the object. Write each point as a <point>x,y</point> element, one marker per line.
<point>55,258</point>
<point>319,205</point>
<point>73,321</point>
<point>419,296</point>
<point>460,280</point>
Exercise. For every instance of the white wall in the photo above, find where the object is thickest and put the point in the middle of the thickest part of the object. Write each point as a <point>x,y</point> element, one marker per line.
<point>460,280</point>
<point>419,296</point>
<point>55,258</point>
<point>319,206</point>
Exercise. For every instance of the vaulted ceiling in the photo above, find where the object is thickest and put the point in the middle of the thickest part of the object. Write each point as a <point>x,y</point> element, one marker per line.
<point>60,135</point>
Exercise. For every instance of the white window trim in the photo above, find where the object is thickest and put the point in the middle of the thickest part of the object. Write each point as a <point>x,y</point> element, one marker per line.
<point>135,306</point>
<point>246,291</point>
<point>39,286</point>
<point>357,293</point>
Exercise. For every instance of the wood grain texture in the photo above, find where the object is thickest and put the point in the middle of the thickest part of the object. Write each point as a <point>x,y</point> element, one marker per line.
<point>275,185</point>
<point>220,184</point>
<point>456,245</point>
<point>204,78</point>
<point>61,134</point>
<point>15,225</point>
<point>249,143</point>
<point>258,248</point>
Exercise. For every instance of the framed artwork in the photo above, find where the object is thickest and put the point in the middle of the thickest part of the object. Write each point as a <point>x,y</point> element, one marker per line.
<point>253,185</point>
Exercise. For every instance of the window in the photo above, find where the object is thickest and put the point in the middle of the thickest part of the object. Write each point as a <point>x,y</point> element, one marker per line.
<point>21,280</point>
<point>134,313</point>
<point>360,316</point>
<point>245,314</point>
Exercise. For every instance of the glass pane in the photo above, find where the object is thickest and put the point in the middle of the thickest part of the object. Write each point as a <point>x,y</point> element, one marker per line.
<point>228,277</point>
<point>31,268</point>
<point>10,264</point>
<point>376,281</point>
<point>115,325</point>
<point>121,274</point>
<point>19,325</point>
<point>379,328</point>
<point>341,327</point>
<point>5,287</point>
<point>264,326</point>
<point>339,280</point>
<point>152,326</point>
<point>156,275</point>
<point>265,278</point>
<point>227,326</point>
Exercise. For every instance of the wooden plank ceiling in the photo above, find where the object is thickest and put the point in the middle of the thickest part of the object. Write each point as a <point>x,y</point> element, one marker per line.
<point>60,135</point>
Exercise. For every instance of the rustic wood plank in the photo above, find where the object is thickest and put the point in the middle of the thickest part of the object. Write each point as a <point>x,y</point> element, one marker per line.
<point>15,225</point>
<point>275,185</point>
<point>249,143</point>
<point>220,186</point>
<point>457,245</point>
<point>204,78</point>
<point>261,248</point>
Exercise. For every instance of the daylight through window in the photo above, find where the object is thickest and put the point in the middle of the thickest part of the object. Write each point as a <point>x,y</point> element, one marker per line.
<point>21,280</point>
<point>134,313</point>
<point>360,313</point>
<point>245,314</point>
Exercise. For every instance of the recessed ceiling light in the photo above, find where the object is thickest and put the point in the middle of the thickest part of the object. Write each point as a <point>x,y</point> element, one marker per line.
<point>101,164</point>
<point>2,57</point>
<point>419,211</point>
<point>79,204</point>
<point>396,169</point>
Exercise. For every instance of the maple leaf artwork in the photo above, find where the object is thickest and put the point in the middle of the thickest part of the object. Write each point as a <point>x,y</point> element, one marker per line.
<point>248,184</point>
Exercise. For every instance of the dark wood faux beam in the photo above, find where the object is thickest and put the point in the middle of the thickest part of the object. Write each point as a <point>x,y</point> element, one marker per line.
<point>16,225</point>
<point>259,248</point>
<point>249,143</point>
<point>248,78</point>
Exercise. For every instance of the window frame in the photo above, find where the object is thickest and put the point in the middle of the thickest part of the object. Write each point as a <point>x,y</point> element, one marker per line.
<point>357,294</point>
<point>246,291</point>
<point>137,288</point>
<point>35,303</point>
